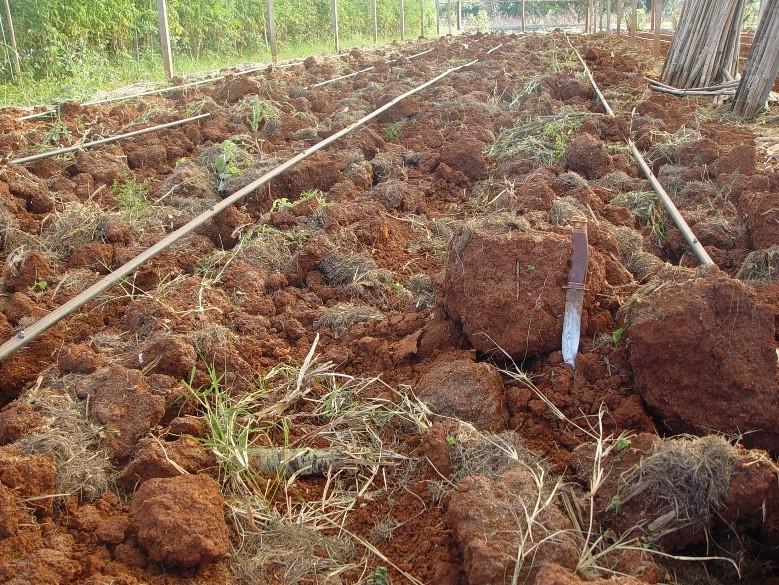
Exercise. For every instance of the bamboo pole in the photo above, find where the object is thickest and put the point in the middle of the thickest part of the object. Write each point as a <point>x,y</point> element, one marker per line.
<point>402,20</point>
<point>437,19</point>
<point>762,67</point>
<point>9,21</point>
<point>634,17</point>
<point>334,19</point>
<point>272,33</point>
<point>449,16</point>
<point>32,332</point>
<point>459,15</point>
<point>657,17</point>
<point>608,17</point>
<point>422,19</point>
<point>375,21</point>
<point>620,14</point>
<point>162,18</point>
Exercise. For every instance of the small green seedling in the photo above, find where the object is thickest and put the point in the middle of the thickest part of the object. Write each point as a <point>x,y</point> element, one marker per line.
<point>39,286</point>
<point>280,204</point>
<point>450,440</point>
<point>622,444</point>
<point>393,131</point>
<point>616,337</point>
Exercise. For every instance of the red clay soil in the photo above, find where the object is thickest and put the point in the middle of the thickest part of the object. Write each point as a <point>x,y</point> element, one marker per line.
<point>408,253</point>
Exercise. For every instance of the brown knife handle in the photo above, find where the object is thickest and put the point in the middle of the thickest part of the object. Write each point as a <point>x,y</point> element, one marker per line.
<point>579,255</point>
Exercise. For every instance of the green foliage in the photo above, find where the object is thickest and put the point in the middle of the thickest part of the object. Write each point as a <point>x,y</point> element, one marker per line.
<point>39,286</point>
<point>132,197</point>
<point>261,111</point>
<point>68,47</point>
<point>280,205</point>
<point>393,131</point>
<point>225,164</point>
<point>616,337</point>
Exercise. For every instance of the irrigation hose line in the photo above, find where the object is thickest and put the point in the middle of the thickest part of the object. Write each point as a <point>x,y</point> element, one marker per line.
<point>110,139</point>
<point>689,236</point>
<point>66,149</point>
<point>371,68</point>
<point>28,335</point>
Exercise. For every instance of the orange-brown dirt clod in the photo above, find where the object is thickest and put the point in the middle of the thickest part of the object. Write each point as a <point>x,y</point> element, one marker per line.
<point>120,400</point>
<point>179,521</point>
<point>496,507</point>
<point>722,374</point>
<point>506,288</point>
<point>464,389</point>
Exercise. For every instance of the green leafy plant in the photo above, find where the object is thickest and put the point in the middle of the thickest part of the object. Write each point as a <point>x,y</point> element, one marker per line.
<point>132,197</point>
<point>393,131</point>
<point>260,112</point>
<point>281,204</point>
<point>39,286</point>
<point>224,164</point>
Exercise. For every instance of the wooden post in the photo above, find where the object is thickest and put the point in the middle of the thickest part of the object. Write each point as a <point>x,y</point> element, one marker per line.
<point>657,12</point>
<point>608,17</point>
<point>272,32</point>
<point>449,16</point>
<point>587,18</point>
<point>375,22</point>
<point>402,20</point>
<point>459,15</point>
<point>162,17</point>
<point>634,17</point>
<point>15,62</point>
<point>422,18</point>
<point>437,17</point>
<point>334,17</point>
<point>522,14</point>
<point>620,12</point>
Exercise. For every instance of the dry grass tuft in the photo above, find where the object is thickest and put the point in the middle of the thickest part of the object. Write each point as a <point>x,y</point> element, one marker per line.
<point>422,290</point>
<point>289,553</point>
<point>358,274</point>
<point>64,231</point>
<point>760,266</point>
<point>340,317</point>
<point>564,209</point>
<point>83,468</point>
<point>488,454</point>
<point>687,476</point>
<point>271,249</point>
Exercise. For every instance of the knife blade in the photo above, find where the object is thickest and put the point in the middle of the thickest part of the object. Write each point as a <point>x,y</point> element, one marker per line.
<point>574,295</point>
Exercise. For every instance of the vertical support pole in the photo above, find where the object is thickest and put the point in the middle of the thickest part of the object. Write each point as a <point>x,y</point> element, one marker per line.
<point>375,21</point>
<point>402,20</point>
<point>522,14</point>
<point>586,17</point>
<point>620,13</point>
<point>272,32</point>
<point>437,19</point>
<point>334,17</point>
<point>449,16</point>
<point>634,18</point>
<point>15,62</point>
<point>459,15</point>
<point>422,19</point>
<point>608,17</point>
<point>162,17</point>
<point>657,12</point>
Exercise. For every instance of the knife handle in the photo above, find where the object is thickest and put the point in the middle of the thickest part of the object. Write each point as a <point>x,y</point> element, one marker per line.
<point>579,254</point>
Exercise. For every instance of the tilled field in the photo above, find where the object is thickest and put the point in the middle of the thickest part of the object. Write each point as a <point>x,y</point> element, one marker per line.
<point>355,375</point>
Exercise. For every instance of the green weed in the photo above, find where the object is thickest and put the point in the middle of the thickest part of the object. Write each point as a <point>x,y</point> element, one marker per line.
<point>132,197</point>
<point>260,112</point>
<point>393,131</point>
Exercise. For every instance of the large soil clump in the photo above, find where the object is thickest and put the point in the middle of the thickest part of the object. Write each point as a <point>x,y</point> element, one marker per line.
<point>506,288</point>
<point>703,354</point>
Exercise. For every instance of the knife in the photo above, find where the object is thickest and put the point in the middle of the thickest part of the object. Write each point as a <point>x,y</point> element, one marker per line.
<point>574,294</point>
